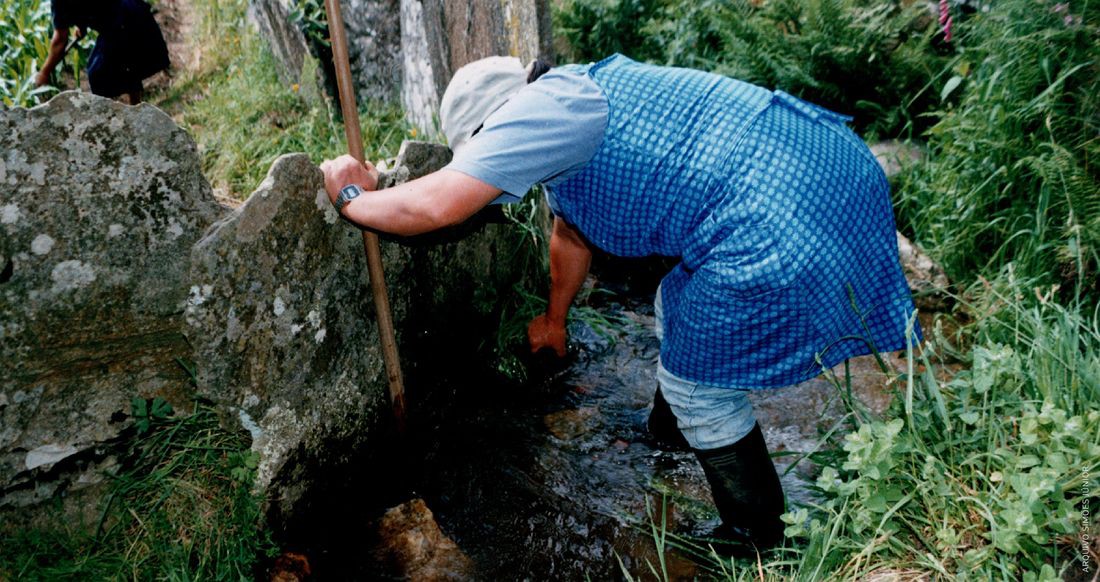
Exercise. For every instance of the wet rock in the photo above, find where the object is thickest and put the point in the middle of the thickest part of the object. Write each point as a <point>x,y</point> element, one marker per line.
<point>568,495</point>
<point>414,548</point>
<point>893,155</point>
<point>569,424</point>
<point>98,200</point>
<point>927,279</point>
<point>588,339</point>
<point>291,567</point>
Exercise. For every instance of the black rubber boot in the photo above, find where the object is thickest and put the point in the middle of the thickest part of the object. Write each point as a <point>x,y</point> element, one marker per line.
<point>662,426</point>
<point>747,493</point>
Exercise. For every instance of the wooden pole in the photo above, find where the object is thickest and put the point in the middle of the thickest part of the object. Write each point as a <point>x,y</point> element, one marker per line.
<point>370,240</point>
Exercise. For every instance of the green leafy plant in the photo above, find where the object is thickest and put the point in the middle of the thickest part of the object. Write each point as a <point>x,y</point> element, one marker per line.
<point>311,18</point>
<point>148,412</point>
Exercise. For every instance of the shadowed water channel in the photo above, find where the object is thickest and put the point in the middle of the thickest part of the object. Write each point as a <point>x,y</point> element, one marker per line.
<point>551,480</point>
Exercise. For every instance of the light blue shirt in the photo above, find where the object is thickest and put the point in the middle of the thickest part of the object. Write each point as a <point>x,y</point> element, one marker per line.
<point>544,134</point>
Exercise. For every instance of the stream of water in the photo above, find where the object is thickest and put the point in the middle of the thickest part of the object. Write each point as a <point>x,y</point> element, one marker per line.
<point>552,480</point>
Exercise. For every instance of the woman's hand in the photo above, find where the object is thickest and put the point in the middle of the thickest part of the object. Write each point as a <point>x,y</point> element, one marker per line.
<point>42,78</point>
<point>346,170</point>
<point>544,333</point>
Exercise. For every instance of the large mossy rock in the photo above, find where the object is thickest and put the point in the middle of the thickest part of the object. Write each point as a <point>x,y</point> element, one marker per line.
<point>119,273</point>
<point>282,321</point>
<point>99,206</point>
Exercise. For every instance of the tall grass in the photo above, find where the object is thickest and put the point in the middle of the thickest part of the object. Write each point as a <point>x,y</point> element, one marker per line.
<point>988,475</point>
<point>180,507</point>
<point>243,117</point>
<point>1011,173</point>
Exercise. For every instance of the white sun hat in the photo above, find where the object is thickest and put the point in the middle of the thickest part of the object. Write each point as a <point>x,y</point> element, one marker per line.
<point>475,92</point>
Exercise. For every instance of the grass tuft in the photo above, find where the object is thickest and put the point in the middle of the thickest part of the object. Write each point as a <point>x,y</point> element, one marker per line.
<point>243,116</point>
<point>180,507</point>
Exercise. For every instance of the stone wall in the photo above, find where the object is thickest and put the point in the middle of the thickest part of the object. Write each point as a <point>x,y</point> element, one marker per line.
<point>118,264</point>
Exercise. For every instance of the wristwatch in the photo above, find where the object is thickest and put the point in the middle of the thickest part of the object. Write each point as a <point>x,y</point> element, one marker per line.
<point>347,193</point>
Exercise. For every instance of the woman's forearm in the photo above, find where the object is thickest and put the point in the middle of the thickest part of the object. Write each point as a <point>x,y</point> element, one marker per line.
<point>440,199</point>
<point>570,258</point>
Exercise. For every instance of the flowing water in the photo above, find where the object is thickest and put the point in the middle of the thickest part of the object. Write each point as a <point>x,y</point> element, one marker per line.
<point>552,480</point>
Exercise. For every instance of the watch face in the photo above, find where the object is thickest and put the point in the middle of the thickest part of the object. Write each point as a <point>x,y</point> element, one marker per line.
<point>350,191</point>
<point>346,194</point>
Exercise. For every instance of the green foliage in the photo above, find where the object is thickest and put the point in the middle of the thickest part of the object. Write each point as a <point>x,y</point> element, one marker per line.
<point>25,37</point>
<point>525,300</point>
<point>595,29</point>
<point>246,117</point>
<point>146,413</point>
<point>872,59</point>
<point>310,16</point>
<point>1011,173</point>
<point>998,489</point>
<point>982,476</point>
<point>180,507</point>
<point>25,31</point>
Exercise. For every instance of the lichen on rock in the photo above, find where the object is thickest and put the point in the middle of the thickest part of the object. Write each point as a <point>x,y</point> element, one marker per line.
<point>117,266</point>
<point>100,205</point>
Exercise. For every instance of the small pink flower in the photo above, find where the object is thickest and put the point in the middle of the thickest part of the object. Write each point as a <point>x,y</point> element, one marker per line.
<point>945,20</point>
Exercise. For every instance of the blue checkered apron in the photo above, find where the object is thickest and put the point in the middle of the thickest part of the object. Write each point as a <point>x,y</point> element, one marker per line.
<point>779,213</point>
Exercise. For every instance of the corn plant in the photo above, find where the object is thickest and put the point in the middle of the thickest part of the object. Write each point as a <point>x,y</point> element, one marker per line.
<point>25,31</point>
<point>24,43</point>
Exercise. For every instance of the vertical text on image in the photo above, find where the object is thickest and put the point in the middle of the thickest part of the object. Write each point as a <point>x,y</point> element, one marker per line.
<point>1086,523</point>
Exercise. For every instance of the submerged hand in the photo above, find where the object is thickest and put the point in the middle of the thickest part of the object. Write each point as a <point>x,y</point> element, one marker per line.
<point>346,170</point>
<point>543,333</point>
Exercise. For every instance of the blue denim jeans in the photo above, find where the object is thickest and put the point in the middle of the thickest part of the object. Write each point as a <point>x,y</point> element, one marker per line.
<point>709,416</point>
